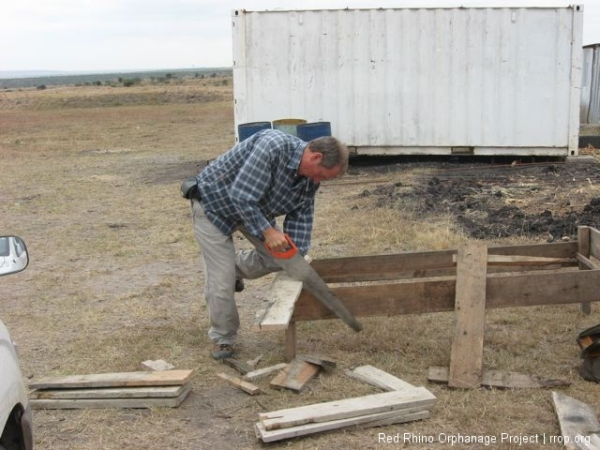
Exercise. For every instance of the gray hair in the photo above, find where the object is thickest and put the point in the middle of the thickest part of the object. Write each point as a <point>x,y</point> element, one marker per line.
<point>334,152</point>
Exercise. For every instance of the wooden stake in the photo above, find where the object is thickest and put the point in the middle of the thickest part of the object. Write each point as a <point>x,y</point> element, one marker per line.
<point>466,357</point>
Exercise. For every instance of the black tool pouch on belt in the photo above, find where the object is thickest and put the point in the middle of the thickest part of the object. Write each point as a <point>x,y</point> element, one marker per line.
<point>189,188</point>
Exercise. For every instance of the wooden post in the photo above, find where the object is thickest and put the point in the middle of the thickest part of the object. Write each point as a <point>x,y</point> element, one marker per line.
<point>583,248</point>
<point>466,357</point>
<point>290,341</point>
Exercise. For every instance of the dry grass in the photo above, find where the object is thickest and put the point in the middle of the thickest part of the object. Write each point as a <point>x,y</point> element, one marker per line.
<point>114,280</point>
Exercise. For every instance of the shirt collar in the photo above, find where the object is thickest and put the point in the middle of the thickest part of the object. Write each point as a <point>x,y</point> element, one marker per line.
<point>294,162</point>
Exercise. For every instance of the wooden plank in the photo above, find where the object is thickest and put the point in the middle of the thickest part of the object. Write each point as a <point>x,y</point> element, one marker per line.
<point>346,408</point>
<point>238,365</point>
<point>583,241</point>
<point>422,264</point>
<point>159,364</point>
<point>520,260</point>
<point>588,263</point>
<point>123,393</point>
<point>583,251</point>
<point>501,379</point>
<point>595,243</point>
<point>326,364</point>
<point>102,403</point>
<point>255,374</point>
<point>466,354</point>
<point>371,420</point>
<point>578,422</point>
<point>295,376</point>
<point>282,297</point>
<point>290,338</point>
<point>158,378</point>
<point>248,388</point>
<point>437,295</point>
<point>376,377</point>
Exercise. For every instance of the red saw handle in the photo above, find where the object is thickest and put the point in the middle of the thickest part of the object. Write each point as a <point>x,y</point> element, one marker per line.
<point>290,251</point>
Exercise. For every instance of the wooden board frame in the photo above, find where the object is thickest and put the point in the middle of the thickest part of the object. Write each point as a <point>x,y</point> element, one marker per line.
<point>425,282</point>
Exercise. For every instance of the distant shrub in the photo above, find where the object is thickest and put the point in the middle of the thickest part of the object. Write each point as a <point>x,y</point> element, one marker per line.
<point>41,87</point>
<point>97,83</point>
<point>224,82</point>
<point>128,82</point>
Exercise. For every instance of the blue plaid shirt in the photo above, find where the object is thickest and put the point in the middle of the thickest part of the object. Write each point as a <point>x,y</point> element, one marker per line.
<point>257,181</point>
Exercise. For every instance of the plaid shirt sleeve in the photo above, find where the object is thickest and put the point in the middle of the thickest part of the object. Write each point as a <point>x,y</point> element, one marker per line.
<point>249,186</point>
<point>298,225</point>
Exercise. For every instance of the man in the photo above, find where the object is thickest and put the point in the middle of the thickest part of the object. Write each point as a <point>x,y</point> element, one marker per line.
<point>268,175</point>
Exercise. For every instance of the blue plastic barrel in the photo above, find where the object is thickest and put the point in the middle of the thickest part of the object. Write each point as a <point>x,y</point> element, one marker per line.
<point>245,130</point>
<point>289,126</point>
<point>309,131</point>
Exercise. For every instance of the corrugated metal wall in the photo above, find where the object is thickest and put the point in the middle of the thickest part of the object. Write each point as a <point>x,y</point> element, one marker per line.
<point>590,85</point>
<point>418,78</point>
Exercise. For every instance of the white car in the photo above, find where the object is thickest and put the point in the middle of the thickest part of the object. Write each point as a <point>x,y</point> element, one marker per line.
<point>13,255</point>
<point>15,414</point>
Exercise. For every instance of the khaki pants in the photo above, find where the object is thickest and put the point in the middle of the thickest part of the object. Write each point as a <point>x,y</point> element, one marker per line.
<point>222,264</point>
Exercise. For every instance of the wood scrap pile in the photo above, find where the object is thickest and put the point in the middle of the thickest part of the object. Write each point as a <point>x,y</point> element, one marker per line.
<point>402,403</point>
<point>142,389</point>
<point>294,376</point>
<point>367,411</point>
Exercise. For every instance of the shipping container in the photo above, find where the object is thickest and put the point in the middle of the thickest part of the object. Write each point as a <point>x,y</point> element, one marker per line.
<point>430,81</point>
<point>590,89</point>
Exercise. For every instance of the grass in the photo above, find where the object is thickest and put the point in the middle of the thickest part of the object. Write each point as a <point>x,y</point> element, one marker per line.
<point>91,182</point>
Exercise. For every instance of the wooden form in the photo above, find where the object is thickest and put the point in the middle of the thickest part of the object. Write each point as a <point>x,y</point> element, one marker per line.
<point>112,390</point>
<point>425,282</point>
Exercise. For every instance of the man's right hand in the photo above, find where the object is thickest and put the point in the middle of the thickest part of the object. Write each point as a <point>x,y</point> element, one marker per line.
<point>275,240</point>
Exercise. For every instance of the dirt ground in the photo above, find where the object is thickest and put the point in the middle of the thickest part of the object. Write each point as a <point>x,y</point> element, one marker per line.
<point>546,200</point>
<point>115,275</point>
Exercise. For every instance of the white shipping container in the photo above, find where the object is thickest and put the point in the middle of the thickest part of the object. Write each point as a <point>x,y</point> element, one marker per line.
<point>482,81</point>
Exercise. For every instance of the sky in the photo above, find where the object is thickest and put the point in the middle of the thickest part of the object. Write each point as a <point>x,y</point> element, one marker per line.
<point>130,35</point>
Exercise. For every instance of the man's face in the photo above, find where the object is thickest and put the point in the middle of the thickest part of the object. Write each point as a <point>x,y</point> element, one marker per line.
<point>311,167</point>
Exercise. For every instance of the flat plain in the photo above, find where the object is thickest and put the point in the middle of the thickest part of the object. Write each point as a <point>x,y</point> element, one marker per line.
<point>90,180</point>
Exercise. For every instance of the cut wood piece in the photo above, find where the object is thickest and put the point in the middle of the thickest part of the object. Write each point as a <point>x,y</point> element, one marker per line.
<point>122,393</point>
<point>371,420</point>
<point>326,364</point>
<point>507,260</point>
<point>255,374</point>
<point>579,424</point>
<point>159,378</point>
<point>466,357</point>
<point>501,379</point>
<point>344,409</point>
<point>295,376</point>
<point>376,377</point>
<point>254,362</point>
<point>282,297</point>
<point>588,263</point>
<point>516,260</point>
<point>101,403</point>
<point>595,243</point>
<point>238,365</point>
<point>583,254</point>
<point>248,388</point>
<point>159,364</point>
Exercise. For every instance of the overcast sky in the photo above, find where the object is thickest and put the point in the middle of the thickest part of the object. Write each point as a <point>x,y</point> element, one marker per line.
<point>128,35</point>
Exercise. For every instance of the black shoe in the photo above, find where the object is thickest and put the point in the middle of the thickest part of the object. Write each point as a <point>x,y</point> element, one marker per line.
<point>239,285</point>
<point>223,351</point>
